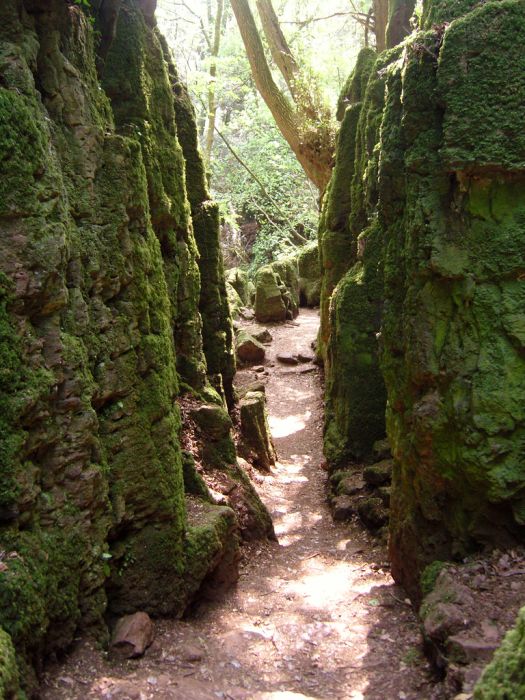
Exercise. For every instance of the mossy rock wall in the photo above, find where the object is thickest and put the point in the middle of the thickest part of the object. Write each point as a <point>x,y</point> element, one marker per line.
<point>350,243</point>
<point>100,291</point>
<point>430,166</point>
<point>453,214</point>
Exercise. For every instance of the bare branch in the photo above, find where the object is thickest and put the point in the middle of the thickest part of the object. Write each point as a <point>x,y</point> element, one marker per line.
<point>306,22</point>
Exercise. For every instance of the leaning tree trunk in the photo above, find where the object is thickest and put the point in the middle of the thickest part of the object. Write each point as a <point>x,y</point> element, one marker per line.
<point>315,161</point>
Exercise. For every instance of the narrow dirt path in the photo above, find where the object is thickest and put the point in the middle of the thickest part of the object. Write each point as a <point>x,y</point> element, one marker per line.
<point>315,615</point>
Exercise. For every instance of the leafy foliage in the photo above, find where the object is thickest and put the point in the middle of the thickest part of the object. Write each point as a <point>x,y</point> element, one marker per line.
<point>326,50</point>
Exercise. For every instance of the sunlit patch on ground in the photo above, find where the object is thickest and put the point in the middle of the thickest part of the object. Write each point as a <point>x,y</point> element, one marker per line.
<point>283,427</point>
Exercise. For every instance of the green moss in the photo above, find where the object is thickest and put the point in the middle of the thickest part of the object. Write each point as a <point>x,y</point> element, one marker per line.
<point>217,330</point>
<point>239,280</point>
<point>484,125</point>
<point>439,11</point>
<point>39,590</point>
<point>309,274</point>
<point>194,484</point>
<point>9,673</point>
<point>429,576</point>
<point>355,393</point>
<point>504,677</point>
<point>211,540</point>
<point>147,572</point>
<point>20,387</point>
<point>355,86</point>
<point>271,302</point>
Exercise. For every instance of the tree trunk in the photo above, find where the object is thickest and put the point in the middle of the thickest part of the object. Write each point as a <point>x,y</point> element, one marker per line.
<point>380,23</point>
<point>279,48</point>
<point>399,14</point>
<point>212,88</point>
<point>315,161</point>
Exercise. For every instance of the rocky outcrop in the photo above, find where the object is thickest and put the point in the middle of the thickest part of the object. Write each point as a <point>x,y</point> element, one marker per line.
<point>277,291</point>
<point>241,283</point>
<point>421,246</point>
<point>350,243</point>
<point>112,300</point>
<point>453,189</point>
<point>256,443</point>
<point>309,275</point>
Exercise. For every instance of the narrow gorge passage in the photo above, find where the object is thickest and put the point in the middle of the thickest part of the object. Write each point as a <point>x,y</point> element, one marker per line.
<point>315,615</point>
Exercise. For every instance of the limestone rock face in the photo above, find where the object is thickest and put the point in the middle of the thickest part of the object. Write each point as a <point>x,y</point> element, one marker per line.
<point>240,281</point>
<point>309,275</point>
<point>111,292</point>
<point>270,304</point>
<point>422,252</point>
<point>350,250</point>
<point>256,445</point>
<point>277,291</point>
<point>248,349</point>
<point>452,346</point>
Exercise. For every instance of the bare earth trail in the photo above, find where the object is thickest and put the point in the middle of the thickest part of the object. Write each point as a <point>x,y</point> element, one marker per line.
<point>315,615</point>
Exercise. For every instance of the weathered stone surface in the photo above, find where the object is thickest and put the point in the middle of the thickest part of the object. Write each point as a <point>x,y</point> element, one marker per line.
<point>277,291</point>
<point>305,357</point>
<point>372,512</point>
<point>102,308</point>
<point>465,649</point>
<point>213,421</point>
<point>454,368</point>
<point>421,247</point>
<point>238,279</point>
<point>309,275</point>
<point>343,508</point>
<point>252,386</point>
<point>269,301</point>
<point>217,334</point>
<point>287,359</point>
<point>381,450</point>
<point>262,335</point>
<point>192,654</point>
<point>256,442</point>
<point>234,301</point>
<point>132,635</point>
<point>379,473</point>
<point>350,485</point>
<point>248,349</point>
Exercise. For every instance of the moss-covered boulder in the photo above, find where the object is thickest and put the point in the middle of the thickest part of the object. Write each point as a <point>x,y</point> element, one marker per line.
<point>213,421</point>
<point>256,441</point>
<point>309,275</point>
<point>248,349</point>
<point>239,280</point>
<point>211,550</point>
<point>277,291</point>
<point>235,302</point>
<point>504,677</point>
<point>269,296</point>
